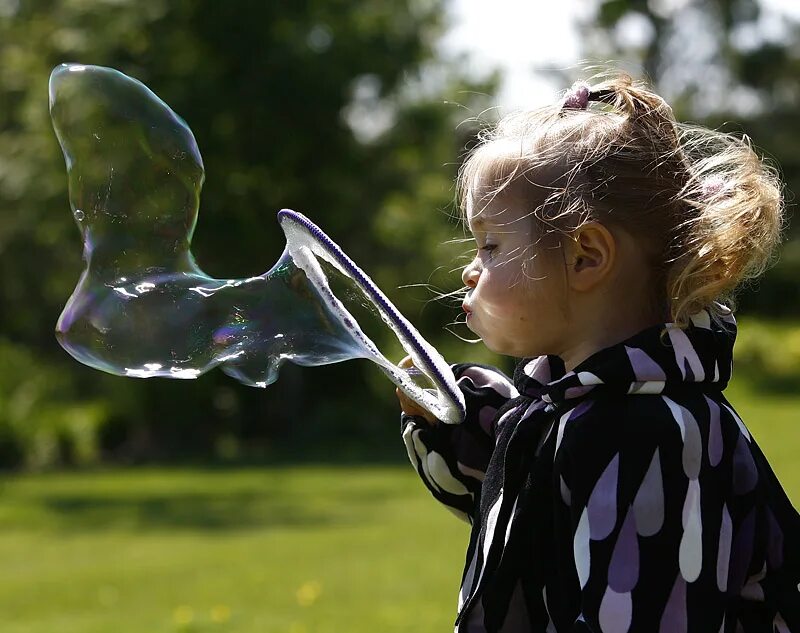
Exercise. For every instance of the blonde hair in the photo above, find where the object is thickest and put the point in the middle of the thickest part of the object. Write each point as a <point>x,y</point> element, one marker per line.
<point>706,207</point>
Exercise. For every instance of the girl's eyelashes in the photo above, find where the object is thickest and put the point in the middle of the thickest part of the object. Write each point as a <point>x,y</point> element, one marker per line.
<point>488,248</point>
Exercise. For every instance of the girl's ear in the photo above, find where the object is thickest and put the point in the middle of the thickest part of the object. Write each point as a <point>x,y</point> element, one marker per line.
<point>591,254</point>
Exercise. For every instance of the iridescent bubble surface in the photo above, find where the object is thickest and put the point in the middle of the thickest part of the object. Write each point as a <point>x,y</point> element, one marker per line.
<point>144,308</point>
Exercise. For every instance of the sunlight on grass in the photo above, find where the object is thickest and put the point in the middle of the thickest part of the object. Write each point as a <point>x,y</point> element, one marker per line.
<point>294,550</point>
<point>774,421</point>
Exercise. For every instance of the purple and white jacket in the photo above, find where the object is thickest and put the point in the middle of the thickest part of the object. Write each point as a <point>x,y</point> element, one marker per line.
<point>624,496</point>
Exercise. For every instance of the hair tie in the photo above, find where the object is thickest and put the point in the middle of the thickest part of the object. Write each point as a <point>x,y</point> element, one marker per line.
<point>711,186</point>
<point>577,97</point>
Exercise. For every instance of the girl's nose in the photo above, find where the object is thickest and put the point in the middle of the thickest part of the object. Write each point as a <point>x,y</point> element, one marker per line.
<point>471,274</point>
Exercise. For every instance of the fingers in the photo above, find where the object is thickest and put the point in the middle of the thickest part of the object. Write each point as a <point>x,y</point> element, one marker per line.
<point>407,404</point>
<point>410,407</point>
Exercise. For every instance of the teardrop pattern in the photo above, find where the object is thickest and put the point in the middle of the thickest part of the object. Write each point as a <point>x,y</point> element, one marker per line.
<point>675,619</point>
<point>602,506</point>
<point>648,505</point>
<point>623,570</point>
<point>616,612</point>
<point>580,548</point>
<point>714,433</point>
<point>724,549</point>
<point>677,487</point>
<point>745,475</point>
<point>690,553</point>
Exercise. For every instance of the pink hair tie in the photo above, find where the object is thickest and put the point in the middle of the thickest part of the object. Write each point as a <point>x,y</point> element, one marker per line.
<point>577,97</point>
<point>712,185</point>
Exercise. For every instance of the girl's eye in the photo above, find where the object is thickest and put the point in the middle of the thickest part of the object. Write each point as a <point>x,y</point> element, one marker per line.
<point>488,248</point>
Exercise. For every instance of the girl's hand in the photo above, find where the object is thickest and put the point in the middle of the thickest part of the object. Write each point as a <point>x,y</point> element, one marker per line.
<point>408,406</point>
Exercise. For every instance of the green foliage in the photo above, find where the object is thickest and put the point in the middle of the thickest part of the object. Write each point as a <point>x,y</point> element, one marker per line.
<point>323,106</point>
<point>768,355</point>
<point>316,106</point>
<point>41,422</point>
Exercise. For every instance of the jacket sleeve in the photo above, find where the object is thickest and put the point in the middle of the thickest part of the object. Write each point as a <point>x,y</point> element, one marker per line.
<point>451,459</point>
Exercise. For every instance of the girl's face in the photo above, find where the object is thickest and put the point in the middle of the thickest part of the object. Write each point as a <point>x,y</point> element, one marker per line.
<point>515,300</point>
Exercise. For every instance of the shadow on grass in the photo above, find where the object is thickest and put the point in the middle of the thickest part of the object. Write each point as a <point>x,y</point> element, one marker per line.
<point>234,508</point>
<point>205,512</point>
<point>771,383</point>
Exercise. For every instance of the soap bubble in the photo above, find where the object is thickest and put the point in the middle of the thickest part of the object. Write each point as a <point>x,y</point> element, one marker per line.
<point>144,308</point>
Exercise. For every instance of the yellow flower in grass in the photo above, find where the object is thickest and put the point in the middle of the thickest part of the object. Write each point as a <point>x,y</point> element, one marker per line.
<point>308,593</point>
<point>183,615</point>
<point>220,613</point>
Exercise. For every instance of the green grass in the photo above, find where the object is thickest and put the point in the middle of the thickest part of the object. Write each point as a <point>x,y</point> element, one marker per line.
<point>774,421</point>
<point>293,550</point>
<point>297,550</point>
<point>766,392</point>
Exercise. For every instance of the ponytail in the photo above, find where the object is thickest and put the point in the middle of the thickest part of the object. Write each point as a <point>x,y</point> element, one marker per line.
<point>705,207</point>
<point>735,224</point>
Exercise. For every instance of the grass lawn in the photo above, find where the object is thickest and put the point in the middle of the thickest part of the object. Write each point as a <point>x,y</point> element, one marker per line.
<point>292,550</point>
<point>774,421</point>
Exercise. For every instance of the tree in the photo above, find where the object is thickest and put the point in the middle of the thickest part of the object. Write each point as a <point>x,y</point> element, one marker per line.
<point>304,105</point>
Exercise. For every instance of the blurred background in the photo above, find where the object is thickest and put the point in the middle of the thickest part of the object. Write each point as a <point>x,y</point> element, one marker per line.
<point>156,505</point>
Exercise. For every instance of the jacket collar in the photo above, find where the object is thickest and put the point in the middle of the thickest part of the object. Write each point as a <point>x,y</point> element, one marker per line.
<point>658,359</point>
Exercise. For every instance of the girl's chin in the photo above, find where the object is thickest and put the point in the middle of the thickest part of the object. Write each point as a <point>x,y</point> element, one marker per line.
<point>506,347</point>
<point>493,345</point>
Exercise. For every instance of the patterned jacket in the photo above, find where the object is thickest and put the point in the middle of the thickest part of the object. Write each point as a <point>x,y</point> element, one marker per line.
<point>623,496</point>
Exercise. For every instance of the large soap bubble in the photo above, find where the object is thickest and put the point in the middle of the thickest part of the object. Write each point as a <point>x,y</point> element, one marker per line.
<point>144,308</point>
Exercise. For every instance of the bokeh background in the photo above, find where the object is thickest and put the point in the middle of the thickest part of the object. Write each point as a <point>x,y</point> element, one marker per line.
<point>155,505</point>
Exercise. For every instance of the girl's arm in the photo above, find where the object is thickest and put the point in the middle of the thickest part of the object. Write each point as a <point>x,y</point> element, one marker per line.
<point>451,459</point>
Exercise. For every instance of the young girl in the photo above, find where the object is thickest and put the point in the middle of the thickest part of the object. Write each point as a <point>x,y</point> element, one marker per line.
<point>610,485</point>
